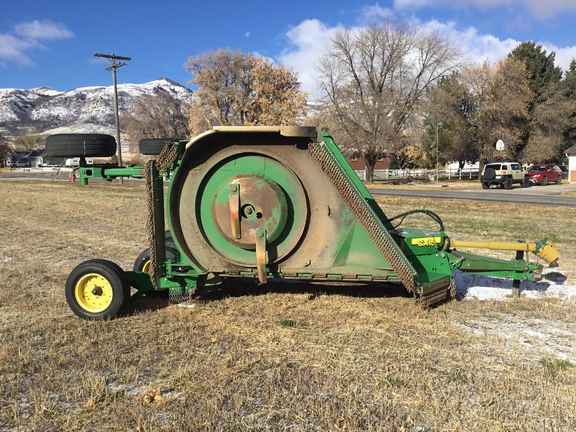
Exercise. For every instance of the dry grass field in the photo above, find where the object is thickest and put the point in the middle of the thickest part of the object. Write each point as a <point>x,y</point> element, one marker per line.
<point>286,356</point>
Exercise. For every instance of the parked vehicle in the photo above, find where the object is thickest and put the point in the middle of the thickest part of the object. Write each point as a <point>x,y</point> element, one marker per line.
<point>75,162</point>
<point>503,174</point>
<point>17,164</point>
<point>543,174</point>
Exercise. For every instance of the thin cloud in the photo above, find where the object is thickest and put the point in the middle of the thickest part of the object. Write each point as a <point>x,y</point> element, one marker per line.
<point>307,41</point>
<point>42,30</point>
<point>478,47</point>
<point>487,47</point>
<point>372,13</point>
<point>539,9</point>
<point>16,46</point>
<point>310,38</point>
<point>563,55</point>
<point>13,49</point>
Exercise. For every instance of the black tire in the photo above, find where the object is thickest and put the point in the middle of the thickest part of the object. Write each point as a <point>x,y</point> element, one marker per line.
<point>144,257</point>
<point>97,289</point>
<point>489,174</point>
<point>485,186</point>
<point>80,145</point>
<point>544,181</point>
<point>508,184</point>
<point>559,180</point>
<point>153,146</point>
<point>526,182</point>
<point>143,261</point>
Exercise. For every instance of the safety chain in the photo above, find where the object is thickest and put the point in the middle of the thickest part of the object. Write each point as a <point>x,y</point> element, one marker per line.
<point>452,289</point>
<point>164,163</point>
<point>148,175</point>
<point>167,157</point>
<point>427,300</point>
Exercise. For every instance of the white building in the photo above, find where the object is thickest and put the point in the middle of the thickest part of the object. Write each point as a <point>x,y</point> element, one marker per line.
<point>571,153</point>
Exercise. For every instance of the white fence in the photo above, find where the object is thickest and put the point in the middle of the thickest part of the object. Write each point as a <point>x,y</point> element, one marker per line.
<point>421,174</point>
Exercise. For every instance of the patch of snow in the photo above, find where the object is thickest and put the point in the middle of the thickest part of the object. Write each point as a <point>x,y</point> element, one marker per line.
<point>477,287</point>
<point>46,91</point>
<point>84,128</point>
<point>528,338</point>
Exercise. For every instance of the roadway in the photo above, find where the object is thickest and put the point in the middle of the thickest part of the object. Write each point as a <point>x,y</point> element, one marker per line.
<point>549,195</point>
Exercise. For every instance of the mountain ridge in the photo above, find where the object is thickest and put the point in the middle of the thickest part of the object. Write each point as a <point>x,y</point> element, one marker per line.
<point>43,110</point>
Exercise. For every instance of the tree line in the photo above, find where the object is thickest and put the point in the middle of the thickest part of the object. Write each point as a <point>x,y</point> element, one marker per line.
<point>392,90</point>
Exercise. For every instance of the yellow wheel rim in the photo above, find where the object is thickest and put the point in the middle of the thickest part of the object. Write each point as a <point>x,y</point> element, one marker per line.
<point>93,292</point>
<point>146,267</point>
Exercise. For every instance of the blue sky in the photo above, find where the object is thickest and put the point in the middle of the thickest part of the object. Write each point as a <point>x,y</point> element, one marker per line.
<point>51,43</point>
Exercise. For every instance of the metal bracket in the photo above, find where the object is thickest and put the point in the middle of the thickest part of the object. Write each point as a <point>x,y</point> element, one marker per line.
<point>261,255</point>
<point>234,202</point>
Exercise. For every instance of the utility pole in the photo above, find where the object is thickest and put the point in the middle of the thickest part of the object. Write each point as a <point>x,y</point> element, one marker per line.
<point>437,152</point>
<point>117,61</point>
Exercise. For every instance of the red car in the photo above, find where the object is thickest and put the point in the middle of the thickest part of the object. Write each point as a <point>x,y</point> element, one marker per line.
<point>543,174</point>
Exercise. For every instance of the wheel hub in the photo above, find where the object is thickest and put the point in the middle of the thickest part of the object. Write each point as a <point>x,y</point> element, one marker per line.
<point>97,291</point>
<point>249,204</point>
<point>93,292</point>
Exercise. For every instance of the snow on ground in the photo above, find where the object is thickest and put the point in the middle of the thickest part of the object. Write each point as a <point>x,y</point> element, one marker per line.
<point>475,287</point>
<point>528,338</point>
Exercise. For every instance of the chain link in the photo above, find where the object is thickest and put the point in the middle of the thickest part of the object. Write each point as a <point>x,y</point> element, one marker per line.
<point>163,163</point>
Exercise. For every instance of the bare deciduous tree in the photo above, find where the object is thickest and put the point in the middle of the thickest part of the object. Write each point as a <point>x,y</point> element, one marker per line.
<point>276,98</point>
<point>29,142</point>
<point>220,76</point>
<point>374,80</point>
<point>5,149</point>
<point>157,116</point>
<point>239,89</point>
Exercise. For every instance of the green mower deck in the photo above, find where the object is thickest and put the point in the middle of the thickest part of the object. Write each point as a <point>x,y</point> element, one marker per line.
<point>274,203</point>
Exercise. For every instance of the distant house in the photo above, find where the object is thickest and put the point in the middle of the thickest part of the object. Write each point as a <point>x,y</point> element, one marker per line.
<point>359,164</point>
<point>29,158</point>
<point>571,153</point>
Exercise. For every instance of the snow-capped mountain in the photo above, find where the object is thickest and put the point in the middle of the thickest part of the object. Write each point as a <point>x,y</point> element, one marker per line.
<point>85,109</point>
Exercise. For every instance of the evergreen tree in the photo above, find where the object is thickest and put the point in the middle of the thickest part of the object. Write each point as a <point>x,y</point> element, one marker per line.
<point>542,140</point>
<point>568,87</point>
<point>543,75</point>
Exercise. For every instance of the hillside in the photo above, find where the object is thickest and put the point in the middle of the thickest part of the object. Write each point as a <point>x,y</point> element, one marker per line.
<point>85,109</point>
